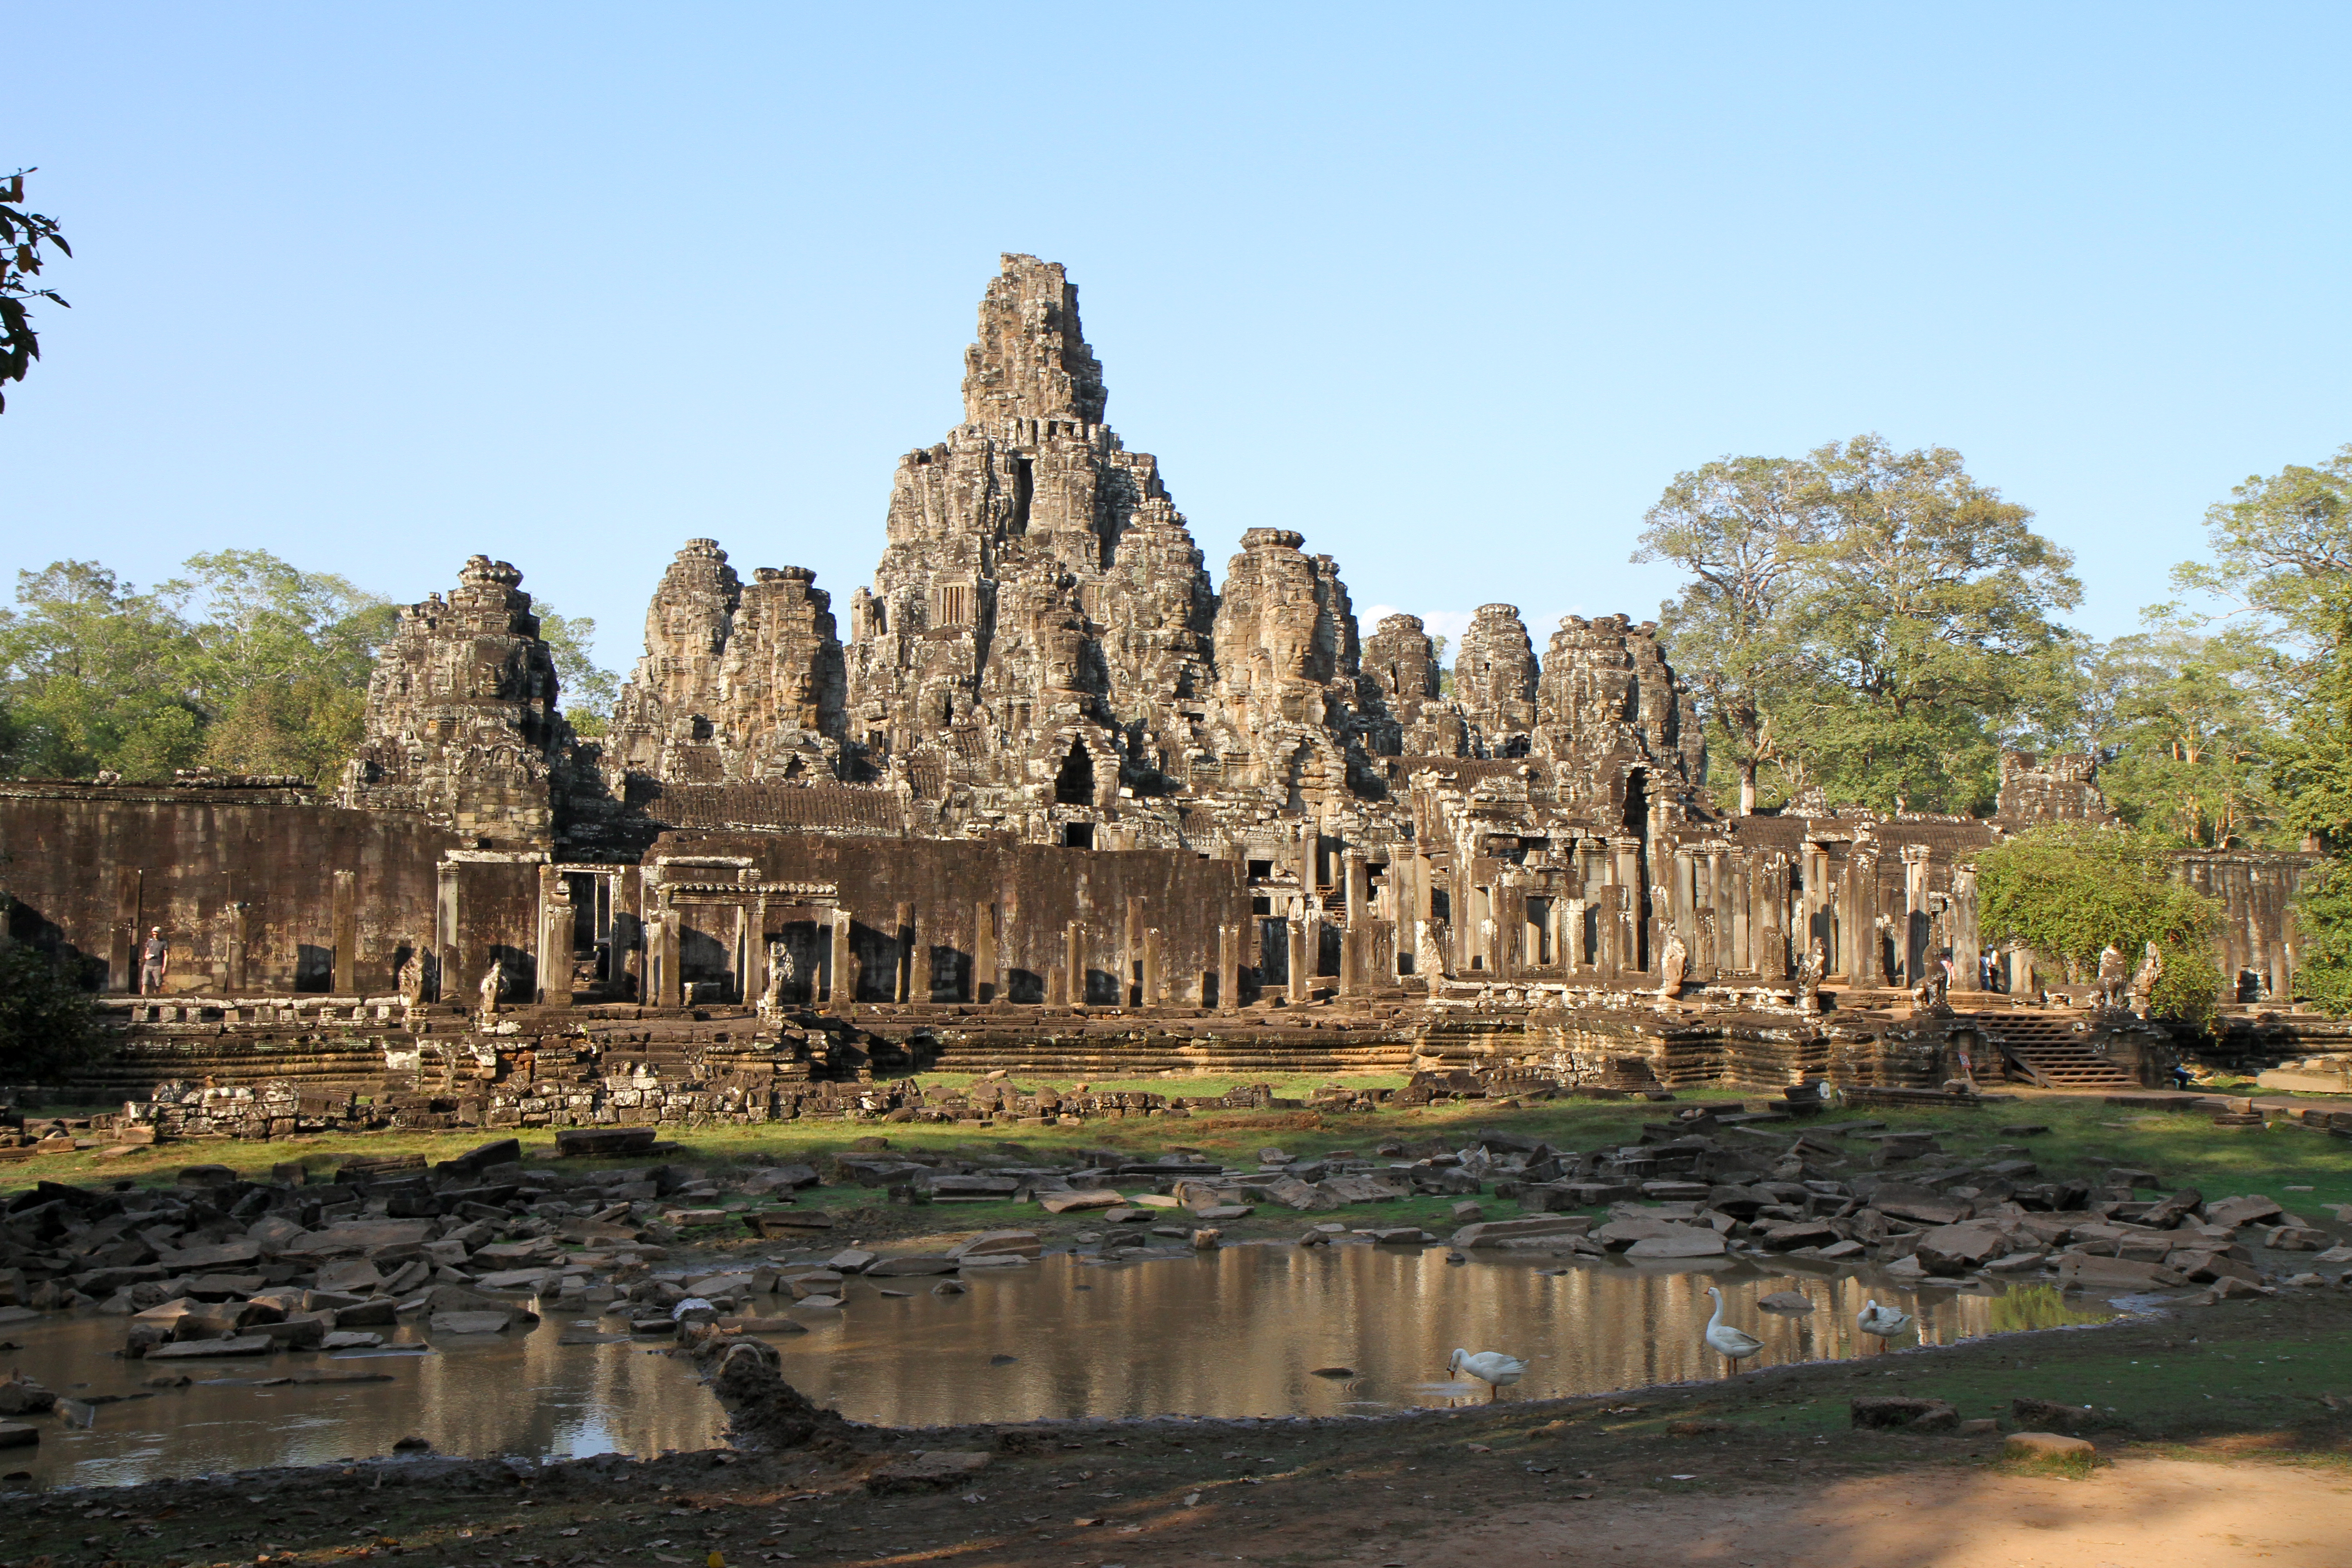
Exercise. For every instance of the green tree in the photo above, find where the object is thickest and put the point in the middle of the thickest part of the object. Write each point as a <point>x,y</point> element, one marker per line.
<point>1742,529</point>
<point>2185,728</point>
<point>587,687</point>
<point>23,233</point>
<point>279,661</point>
<point>2067,890</point>
<point>1925,624</point>
<point>49,1025</point>
<point>90,673</point>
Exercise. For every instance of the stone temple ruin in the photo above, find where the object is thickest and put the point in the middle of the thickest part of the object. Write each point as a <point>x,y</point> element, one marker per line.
<point>1042,797</point>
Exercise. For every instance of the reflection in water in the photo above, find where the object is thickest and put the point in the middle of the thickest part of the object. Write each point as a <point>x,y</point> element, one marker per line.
<point>1242,1331</point>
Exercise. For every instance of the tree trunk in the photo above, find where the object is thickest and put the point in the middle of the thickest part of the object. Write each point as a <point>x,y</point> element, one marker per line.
<point>1747,788</point>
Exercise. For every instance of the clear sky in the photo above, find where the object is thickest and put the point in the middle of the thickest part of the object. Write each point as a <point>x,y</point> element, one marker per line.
<point>1454,291</point>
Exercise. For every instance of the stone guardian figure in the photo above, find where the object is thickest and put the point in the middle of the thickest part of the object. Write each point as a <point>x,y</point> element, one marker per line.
<point>410,980</point>
<point>1809,971</point>
<point>2112,975</point>
<point>2143,982</point>
<point>1673,964</point>
<point>493,981</point>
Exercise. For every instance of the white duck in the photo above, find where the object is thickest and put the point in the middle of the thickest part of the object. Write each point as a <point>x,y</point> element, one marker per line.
<point>1881,1322</point>
<point>1492,1368</point>
<point>1732,1344</point>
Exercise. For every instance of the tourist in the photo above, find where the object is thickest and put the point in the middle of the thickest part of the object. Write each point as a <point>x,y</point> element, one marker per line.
<point>154,960</point>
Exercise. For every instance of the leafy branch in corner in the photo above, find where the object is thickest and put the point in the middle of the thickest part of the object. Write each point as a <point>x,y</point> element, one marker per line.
<point>22,235</point>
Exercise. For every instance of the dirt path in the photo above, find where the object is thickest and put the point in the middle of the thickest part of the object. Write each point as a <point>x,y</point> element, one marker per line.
<point>2137,1513</point>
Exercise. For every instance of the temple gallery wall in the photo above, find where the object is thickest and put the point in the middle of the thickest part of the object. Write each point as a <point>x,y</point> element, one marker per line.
<point>1040,793</point>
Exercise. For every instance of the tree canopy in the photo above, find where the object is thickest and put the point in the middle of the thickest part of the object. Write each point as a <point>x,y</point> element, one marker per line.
<point>1875,623</point>
<point>24,234</point>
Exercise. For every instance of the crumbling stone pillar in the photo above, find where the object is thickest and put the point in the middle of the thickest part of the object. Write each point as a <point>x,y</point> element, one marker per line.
<point>1816,900</point>
<point>1151,996</point>
<point>1683,893</point>
<point>1074,961</point>
<point>1300,981</point>
<point>346,918</point>
<point>1351,937</point>
<point>669,984</point>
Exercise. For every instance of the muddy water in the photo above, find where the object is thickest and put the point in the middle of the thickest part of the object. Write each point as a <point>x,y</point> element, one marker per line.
<point>1244,1331</point>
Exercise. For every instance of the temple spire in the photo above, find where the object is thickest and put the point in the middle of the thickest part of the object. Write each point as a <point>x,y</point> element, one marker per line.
<point>1031,361</point>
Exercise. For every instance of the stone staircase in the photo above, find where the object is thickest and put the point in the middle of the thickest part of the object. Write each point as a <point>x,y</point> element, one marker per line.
<point>2046,1050</point>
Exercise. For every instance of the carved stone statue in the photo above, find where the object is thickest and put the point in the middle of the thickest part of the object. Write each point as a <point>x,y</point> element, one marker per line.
<point>2112,975</point>
<point>410,980</point>
<point>1673,964</point>
<point>493,981</point>
<point>1809,971</point>
<point>771,996</point>
<point>2143,982</point>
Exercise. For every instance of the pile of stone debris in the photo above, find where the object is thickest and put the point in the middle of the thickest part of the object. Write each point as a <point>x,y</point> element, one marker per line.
<point>1708,1185</point>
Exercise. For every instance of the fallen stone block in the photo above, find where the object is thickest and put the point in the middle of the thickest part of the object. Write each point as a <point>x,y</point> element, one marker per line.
<point>1022,1242</point>
<point>16,1434</point>
<point>1488,1233</point>
<point>1075,1202</point>
<point>1677,1241</point>
<point>2230,1212</point>
<point>898,1267</point>
<point>463,1323</point>
<point>2094,1273</point>
<point>210,1349</point>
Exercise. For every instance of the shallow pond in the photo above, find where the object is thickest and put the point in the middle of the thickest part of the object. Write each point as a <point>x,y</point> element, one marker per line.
<point>1247,1330</point>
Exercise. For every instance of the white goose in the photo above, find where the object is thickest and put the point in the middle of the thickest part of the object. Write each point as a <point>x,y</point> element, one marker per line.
<point>1492,1368</point>
<point>1881,1322</point>
<point>1732,1344</point>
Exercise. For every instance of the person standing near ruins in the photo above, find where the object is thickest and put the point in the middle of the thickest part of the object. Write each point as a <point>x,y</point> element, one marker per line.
<point>154,961</point>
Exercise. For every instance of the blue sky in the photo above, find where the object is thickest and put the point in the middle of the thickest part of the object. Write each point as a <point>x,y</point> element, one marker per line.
<point>1453,291</point>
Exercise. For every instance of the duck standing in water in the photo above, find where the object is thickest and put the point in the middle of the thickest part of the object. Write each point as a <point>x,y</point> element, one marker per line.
<point>1733,1345</point>
<point>1881,1323</point>
<point>1492,1368</point>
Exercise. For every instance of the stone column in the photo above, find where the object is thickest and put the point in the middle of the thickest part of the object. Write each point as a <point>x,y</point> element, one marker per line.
<point>126,935</point>
<point>1131,955</point>
<point>1770,922</point>
<point>1967,962</point>
<point>1229,976</point>
<point>449,979</point>
<point>346,918</point>
<point>1309,851</point>
<point>1738,916</point>
<point>233,980</point>
<point>843,994</point>
<point>903,989</point>
<point>1682,880</point>
<point>1300,982</point>
<point>553,940</point>
<point>672,983</point>
<point>983,951</point>
<point>755,951</point>
<point>1916,957</point>
<point>1151,988</point>
<point>1351,936</point>
<point>1816,899</point>
<point>1725,899</point>
<point>1625,851</point>
<point>1074,961</point>
<point>1864,965</point>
